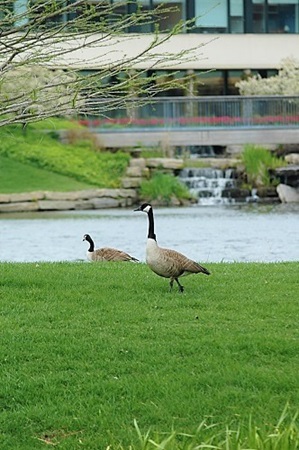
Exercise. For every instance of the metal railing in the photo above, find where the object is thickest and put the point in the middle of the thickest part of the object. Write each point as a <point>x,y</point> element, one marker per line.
<point>196,113</point>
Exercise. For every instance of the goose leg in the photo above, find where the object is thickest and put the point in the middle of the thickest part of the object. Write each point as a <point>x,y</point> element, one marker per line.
<point>171,284</point>
<point>181,288</point>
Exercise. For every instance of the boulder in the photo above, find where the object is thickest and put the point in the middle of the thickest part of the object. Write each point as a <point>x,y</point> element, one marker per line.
<point>56,205</point>
<point>104,202</point>
<point>4,198</point>
<point>129,183</point>
<point>138,162</point>
<point>74,195</point>
<point>288,175</point>
<point>165,163</point>
<point>19,207</point>
<point>134,171</point>
<point>292,158</point>
<point>26,196</point>
<point>127,193</point>
<point>287,194</point>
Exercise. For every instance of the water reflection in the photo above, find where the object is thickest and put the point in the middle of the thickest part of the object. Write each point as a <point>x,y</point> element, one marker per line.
<point>206,234</point>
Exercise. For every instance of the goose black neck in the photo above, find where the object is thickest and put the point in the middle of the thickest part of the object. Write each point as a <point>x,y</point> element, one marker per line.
<point>91,244</point>
<point>151,226</point>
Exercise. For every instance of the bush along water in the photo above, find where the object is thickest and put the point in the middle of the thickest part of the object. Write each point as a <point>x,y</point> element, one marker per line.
<point>164,189</point>
<point>259,162</point>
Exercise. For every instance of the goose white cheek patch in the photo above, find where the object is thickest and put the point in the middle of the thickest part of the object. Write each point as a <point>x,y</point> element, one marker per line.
<point>147,208</point>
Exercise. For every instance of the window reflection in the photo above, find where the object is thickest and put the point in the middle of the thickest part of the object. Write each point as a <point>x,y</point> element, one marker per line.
<point>176,13</point>
<point>210,83</point>
<point>281,16</point>
<point>258,16</point>
<point>211,15</point>
<point>236,16</point>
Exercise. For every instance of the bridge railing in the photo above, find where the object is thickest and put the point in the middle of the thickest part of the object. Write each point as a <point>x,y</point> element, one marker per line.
<point>195,112</point>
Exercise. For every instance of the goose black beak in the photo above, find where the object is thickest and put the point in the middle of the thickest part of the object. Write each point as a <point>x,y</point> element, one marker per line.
<point>138,209</point>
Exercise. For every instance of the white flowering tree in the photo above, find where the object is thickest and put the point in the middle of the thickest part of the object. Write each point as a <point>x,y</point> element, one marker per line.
<point>29,92</point>
<point>43,44</point>
<point>286,82</point>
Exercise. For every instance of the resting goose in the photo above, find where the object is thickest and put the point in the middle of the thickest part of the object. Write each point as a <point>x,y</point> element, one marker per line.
<point>105,253</point>
<point>164,262</point>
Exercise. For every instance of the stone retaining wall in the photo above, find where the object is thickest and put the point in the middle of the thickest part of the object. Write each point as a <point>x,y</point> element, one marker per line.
<point>126,196</point>
<point>141,168</point>
<point>63,201</point>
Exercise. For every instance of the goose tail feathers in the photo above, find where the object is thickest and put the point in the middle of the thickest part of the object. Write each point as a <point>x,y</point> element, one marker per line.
<point>204,270</point>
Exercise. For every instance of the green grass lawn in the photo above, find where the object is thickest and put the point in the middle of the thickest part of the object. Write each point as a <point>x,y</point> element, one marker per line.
<point>19,177</point>
<point>87,349</point>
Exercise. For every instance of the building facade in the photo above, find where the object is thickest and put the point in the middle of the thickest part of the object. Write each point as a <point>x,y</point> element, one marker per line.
<point>235,38</point>
<point>234,17</point>
<point>227,16</point>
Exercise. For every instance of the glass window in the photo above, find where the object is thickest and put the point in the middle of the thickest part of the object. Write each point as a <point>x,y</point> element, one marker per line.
<point>210,83</point>
<point>282,16</point>
<point>233,76</point>
<point>147,25</point>
<point>39,10</point>
<point>258,16</point>
<point>19,8</point>
<point>211,16</point>
<point>175,14</point>
<point>236,16</point>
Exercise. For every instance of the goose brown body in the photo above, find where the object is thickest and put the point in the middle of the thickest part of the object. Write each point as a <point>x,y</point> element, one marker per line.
<point>105,253</point>
<point>165,262</point>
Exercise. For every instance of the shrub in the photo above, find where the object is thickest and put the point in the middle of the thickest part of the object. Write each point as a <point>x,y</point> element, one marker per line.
<point>83,138</point>
<point>163,187</point>
<point>286,82</point>
<point>258,161</point>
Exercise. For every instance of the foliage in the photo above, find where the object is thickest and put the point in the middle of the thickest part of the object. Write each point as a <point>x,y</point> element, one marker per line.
<point>163,187</point>
<point>89,348</point>
<point>236,435</point>
<point>52,54</point>
<point>286,82</point>
<point>79,161</point>
<point>258,162</point>
<point>55,124</point>
<point>39,92</point>
<point>18,177</point>
<point>82,137</point>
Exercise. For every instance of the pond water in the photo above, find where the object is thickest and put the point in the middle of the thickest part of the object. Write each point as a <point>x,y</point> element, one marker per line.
<point>203,233</point>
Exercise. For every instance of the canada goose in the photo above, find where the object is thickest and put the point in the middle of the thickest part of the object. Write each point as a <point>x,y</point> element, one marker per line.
<point>164,262</point>
<point>105,253</point>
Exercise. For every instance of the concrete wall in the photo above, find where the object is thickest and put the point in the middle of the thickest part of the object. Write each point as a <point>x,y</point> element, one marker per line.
<point>118,139</point>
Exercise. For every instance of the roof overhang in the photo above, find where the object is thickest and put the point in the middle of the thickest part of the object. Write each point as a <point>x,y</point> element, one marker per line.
<point>184,52</point>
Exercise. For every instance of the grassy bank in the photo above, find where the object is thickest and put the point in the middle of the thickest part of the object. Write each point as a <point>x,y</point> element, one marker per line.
<point>20,177</point>
<point>40,147</point>
<point>87,349</point>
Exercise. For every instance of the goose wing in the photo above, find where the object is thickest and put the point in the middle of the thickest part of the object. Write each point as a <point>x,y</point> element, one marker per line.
<point>112,254</point>
<point>180,265</point>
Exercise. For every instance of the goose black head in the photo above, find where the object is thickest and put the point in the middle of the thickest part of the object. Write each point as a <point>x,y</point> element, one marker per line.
<point>86,237</point>
<point>145,207</point>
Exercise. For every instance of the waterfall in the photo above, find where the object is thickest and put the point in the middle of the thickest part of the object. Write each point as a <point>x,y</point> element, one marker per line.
<point>207,184</point>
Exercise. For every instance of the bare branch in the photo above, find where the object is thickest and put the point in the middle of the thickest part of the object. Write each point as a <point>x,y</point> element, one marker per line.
<point>45,47</point>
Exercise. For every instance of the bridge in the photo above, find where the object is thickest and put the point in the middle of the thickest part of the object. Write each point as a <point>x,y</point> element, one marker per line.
<point>197,121</point>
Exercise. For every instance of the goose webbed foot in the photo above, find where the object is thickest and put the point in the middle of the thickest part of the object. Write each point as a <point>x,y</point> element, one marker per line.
<point>181,288</point>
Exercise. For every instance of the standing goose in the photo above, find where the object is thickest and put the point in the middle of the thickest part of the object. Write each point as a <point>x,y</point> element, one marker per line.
<point>105,253</point>
<point>164,262</point>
